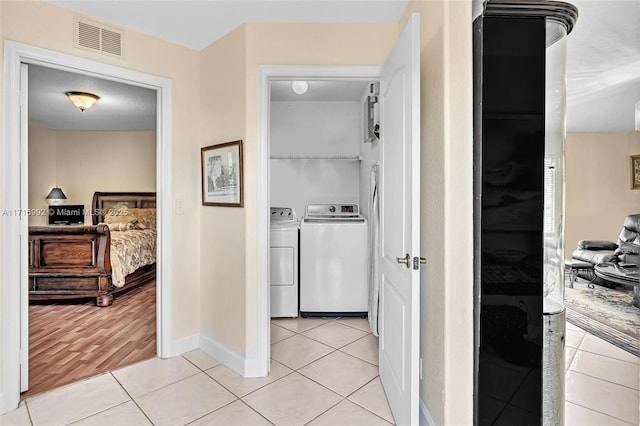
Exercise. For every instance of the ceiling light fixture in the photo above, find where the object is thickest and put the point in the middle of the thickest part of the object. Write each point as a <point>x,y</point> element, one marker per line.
<point>82,100</point>
<point>300,87</point>
<point>638,116</point>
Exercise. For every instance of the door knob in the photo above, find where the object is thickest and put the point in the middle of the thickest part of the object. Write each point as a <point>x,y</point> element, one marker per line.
<point>406,260</point>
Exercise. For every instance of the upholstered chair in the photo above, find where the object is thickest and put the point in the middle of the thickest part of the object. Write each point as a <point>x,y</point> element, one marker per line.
<point>625,250</point>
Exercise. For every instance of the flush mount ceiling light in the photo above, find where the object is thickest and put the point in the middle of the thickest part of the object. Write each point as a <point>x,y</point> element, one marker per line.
<point>300,87</point>
<point>82,100</point>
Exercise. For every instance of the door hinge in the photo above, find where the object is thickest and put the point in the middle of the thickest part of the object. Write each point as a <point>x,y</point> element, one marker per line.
<point>417,261</point>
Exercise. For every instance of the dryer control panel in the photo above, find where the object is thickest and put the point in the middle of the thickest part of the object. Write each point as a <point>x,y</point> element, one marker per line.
<point>333,211</point>
<point>283,214</point>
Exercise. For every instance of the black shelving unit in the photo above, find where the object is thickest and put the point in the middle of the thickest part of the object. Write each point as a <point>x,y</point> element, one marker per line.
<point>509,152</point>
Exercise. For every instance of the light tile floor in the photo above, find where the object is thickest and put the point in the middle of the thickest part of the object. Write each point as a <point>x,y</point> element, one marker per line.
<point>323,372</point>
<point>602,382</point>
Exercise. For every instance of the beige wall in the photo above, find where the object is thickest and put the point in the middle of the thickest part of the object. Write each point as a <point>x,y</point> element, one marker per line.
<point>43,25</point>
<point>83,162</point>
<point>222,245</point>
<point>597,178</point>
<point>446,303</point>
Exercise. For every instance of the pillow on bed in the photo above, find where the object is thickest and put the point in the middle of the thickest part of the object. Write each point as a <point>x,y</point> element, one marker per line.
<point>121,226</point>
<point>120,213</point>
<point>146,218</point>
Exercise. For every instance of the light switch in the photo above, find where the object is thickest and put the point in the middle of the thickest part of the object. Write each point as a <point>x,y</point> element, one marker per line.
<point>179,207</point>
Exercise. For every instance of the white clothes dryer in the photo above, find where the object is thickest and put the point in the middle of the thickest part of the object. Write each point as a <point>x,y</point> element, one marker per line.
<point>333,261</point>
<point>284,262</point>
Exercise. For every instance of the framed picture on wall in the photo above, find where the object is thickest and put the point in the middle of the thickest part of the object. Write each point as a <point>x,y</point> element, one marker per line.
<point>634,170</point>
<point>222,178</point>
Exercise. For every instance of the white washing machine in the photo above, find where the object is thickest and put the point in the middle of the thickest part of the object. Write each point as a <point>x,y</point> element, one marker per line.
<point>284,262</point>
<point>333,261</point>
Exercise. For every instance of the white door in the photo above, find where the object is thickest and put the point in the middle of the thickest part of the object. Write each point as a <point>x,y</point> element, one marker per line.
<point>24,231</point>
<point>400,224</point>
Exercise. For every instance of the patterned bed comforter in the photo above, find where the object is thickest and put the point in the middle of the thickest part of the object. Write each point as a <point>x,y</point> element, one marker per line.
<point>129,251</point>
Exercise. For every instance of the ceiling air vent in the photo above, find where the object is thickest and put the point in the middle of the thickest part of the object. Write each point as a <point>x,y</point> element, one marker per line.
<point>97,37</point>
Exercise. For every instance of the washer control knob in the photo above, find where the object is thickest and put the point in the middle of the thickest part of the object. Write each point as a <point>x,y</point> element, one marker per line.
<point>332,209</point>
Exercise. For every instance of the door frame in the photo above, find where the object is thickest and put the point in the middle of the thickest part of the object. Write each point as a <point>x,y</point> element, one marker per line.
<point>15,198</point>
<point>266,74</point>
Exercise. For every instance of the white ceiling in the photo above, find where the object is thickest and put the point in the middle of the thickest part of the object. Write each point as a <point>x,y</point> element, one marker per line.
<point>603,66</point>
<point>603,62</point>
<point>120,107</point>
<point>198,23</point>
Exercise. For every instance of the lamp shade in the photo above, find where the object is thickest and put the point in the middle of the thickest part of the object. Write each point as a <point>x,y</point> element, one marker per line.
<point>82,100</point>
<point>56,194</point>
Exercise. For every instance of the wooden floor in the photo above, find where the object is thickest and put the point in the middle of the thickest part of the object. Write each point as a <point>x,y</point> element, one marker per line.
<point>73,341</point>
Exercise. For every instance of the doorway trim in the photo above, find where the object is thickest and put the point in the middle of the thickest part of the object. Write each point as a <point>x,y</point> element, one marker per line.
<point>266,74</point>
<point>15,197</point>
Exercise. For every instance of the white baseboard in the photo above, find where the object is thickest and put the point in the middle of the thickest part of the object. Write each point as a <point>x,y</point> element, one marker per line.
<point>224,355</point>
<point>251,368</point>
<point>425,417</point>
<point>184,345</point>
<point>6,406</point>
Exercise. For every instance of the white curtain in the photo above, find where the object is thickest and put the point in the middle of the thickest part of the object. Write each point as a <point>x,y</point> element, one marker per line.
<point>374,248</point>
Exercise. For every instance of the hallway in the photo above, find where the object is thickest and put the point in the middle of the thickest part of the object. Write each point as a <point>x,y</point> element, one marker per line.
<point>323,372</point>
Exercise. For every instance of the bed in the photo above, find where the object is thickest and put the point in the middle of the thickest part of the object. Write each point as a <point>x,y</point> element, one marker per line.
<point>115,253</point>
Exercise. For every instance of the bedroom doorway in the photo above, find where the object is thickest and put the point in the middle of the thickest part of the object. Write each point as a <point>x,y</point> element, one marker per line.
<point>14,314</point>
<point>80,337</point>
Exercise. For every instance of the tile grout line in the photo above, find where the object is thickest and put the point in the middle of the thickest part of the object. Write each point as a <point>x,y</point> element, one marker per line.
<point>256,411</point>
<point>610,357</point>
<point>604,380</point>
<point>211,412</point>
<point>325,411</point>
<point>221,385</point>
<point>257,389</point>
<point>341,347</point>
<point>346,344</point>
<point>131,398</point>
<point>606,343</point>
<point>343,398</point>
<point>333,391</point>
<point>599,412</point>
<point>286,375</point>
<point>325,355</point>
<point>364,408</point>
<point>169,384</point>
<point>601,378</point>
<point>358,358</point>
<point>592,409</point>
<point>28,411</point>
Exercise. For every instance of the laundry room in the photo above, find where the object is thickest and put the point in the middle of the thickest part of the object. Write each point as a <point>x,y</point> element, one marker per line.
<point>324,152</point>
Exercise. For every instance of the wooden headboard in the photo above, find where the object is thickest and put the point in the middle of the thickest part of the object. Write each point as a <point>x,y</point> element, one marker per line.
<point>102,202</point>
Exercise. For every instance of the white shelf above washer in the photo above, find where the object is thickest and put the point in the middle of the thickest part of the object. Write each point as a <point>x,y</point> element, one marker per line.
<point>316,157</point>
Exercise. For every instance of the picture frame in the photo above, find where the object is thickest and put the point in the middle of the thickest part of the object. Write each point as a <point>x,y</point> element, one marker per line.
<point>634,171</point>
<point>222,176</point>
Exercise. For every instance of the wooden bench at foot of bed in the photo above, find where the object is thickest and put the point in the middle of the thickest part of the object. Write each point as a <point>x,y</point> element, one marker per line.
<point>67,262</point>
